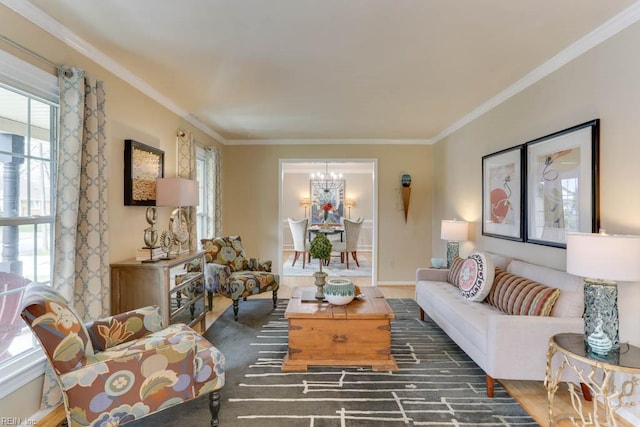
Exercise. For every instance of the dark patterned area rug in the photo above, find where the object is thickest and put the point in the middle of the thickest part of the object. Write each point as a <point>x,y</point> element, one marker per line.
<point>437,384</point>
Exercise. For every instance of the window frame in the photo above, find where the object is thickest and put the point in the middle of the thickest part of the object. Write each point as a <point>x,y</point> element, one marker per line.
<point>24,78</point>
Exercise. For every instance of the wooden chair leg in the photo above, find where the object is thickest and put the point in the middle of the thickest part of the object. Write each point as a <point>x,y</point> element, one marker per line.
<point>210,299</point>
<point>490,385</point>
<point>421,314</point>
<point>304,258</point>
<point>214,407</point>
<point>295,258</point>
<point>275,298</point>
<point>236,306</point>
<point>354,254</point>
<point>585,392</point>
<point>346,255</point>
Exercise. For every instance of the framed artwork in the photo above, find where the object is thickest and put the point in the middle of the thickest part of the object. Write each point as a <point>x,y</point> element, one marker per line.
<point>142,166</point>
<point>562,184</point>
<point>322,195</point>
<point>502,194</point>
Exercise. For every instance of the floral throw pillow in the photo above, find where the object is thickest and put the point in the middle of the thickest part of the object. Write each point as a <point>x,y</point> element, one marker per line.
<point>476,277</point>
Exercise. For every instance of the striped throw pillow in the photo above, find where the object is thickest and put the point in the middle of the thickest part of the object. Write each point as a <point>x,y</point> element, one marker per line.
<point>454,271</point>
<point>520,296</point>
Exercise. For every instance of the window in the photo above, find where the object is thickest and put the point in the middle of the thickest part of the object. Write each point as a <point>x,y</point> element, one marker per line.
<point>204,194</point>
<point>28,134</point>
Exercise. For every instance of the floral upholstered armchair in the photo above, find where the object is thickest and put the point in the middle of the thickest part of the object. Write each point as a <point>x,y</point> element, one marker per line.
<point>118,369</point>
<point>228,272</point>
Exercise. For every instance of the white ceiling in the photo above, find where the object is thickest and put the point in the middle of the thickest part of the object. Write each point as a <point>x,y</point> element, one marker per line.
<point>410,70</point>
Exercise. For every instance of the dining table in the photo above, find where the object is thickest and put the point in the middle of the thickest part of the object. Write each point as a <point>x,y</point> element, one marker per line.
<point>327,231</point>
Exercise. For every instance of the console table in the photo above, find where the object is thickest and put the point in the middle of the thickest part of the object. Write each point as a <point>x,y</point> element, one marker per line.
<point>596,376</point>
<point>136,284</point>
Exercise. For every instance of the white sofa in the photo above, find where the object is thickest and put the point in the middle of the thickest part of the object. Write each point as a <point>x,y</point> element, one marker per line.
<point>504,346</point>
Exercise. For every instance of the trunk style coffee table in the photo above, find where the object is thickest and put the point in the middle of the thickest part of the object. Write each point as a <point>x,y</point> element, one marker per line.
<point>356,334</point>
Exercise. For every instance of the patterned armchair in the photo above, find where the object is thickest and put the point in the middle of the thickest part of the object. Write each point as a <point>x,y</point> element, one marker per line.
<point>124,367</point>
<point>228,272</point>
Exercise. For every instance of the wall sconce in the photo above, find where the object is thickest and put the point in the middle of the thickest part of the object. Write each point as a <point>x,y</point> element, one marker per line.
<point>406,193</point>
<point>306,202</point>
<point>349,203</point>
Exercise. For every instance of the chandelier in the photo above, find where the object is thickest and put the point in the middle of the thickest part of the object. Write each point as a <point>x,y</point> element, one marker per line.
<point>326,182</point>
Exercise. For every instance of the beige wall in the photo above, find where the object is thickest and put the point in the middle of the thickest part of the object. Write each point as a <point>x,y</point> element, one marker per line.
<point>250,194</point>
<point>130,115</point>
<point>603,83</point>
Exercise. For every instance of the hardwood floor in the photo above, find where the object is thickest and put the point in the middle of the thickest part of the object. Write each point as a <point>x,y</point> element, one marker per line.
<point>530,394</point>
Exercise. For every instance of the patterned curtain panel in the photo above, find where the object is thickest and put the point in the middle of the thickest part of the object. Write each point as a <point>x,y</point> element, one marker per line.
<point>187,169</point>
<point>217,193</point>
<point>81,258</point>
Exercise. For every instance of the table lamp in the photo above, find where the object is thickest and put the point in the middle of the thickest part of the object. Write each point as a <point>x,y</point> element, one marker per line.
<point>178,192</point>
<point>349,203</point>
<point>602,259</point>
<point>453,232</point>
<point>306,202</point>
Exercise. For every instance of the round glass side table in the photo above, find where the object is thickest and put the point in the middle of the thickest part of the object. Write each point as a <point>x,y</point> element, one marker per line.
<point>595,373</point>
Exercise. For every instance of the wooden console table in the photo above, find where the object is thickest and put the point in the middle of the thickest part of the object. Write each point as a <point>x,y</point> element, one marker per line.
<point>355,334</point>
<point>597,377</point>
<point>136,284</point>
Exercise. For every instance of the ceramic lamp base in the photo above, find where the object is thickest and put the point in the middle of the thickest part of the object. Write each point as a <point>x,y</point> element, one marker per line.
<point>601,314</point>
<point>453,250</point>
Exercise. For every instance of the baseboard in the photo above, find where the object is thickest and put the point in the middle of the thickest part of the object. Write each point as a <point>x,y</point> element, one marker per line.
<point>396,283</point>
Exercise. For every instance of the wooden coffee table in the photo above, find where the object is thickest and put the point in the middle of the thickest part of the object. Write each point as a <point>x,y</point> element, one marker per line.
<point>355,334</point>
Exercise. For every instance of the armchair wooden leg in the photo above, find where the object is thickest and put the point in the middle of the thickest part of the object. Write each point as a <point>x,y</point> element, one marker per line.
<point>421,314</point>
<point>275,298</point>
<point>214,407</point>
<point>236,306</point>
<point>295,258</point>
<point>210,299</point>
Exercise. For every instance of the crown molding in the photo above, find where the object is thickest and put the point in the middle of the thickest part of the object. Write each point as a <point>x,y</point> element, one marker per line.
<point>329,141</point>
<point>610,28</point>
<point>64,34</point>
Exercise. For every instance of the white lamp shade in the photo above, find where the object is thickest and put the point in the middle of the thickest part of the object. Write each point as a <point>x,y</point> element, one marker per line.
<point>176,192</point>
<point>305,201</point>
<point>454,231</point>
<point>603,256</point>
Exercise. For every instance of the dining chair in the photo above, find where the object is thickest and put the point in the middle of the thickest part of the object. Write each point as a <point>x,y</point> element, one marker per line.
<point>299,234</point>
<point>350,244</point>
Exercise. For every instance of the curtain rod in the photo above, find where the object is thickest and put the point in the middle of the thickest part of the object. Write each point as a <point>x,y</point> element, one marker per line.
<point>59,68</point>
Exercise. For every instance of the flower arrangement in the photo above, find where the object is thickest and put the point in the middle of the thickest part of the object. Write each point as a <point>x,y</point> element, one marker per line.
<point>326,208</point>
<point>320,248</point>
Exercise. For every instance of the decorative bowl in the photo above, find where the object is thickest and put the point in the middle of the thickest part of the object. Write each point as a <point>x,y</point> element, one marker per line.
<point>339,291</point>
<point>439,262</point>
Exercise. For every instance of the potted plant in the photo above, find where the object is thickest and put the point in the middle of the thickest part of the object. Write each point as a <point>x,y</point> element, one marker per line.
<point>320,248</point>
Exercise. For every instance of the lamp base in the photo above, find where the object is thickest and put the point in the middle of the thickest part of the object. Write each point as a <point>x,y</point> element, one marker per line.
<point>601,315</point>
<point>453,250</point>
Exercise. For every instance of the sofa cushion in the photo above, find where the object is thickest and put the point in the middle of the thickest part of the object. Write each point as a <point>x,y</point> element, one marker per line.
<point>476,277</point>
<point>226,251</point>
<point>570,303</point>
<point>454,270</point>
<point>518,295</point>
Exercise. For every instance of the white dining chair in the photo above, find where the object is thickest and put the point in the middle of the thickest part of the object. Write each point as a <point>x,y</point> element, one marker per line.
<point>299,234</point>
<point>350,244</point>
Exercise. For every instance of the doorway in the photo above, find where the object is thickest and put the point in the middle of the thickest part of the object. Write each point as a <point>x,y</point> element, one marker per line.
<point>359,200</point>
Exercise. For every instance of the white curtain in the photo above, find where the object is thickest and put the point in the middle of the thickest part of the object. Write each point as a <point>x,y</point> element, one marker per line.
<point>81,257</point>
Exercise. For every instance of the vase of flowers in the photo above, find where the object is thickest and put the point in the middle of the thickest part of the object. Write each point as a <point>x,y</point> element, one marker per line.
<point>326,208</point>
<point>320,248</point>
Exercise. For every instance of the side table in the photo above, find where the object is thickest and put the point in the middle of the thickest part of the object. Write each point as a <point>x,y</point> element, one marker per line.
<point>596,376</point>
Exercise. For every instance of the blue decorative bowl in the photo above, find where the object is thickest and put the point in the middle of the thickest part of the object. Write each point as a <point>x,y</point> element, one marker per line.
<point>439,262</point>
<point>339,291</point>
